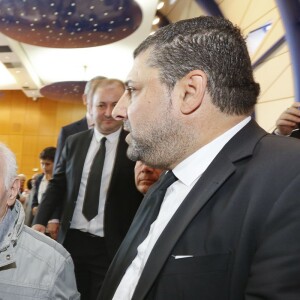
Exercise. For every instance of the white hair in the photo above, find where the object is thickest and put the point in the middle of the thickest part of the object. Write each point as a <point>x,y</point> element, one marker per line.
<point>8,165</point>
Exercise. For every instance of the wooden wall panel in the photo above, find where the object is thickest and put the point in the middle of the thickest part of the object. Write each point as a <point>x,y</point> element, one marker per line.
<point>27,126</point>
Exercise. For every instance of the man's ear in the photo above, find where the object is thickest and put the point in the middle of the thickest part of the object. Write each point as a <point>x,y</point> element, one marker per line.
<point>194,84</point>
<point>13,192</point>
<point>84,99</point>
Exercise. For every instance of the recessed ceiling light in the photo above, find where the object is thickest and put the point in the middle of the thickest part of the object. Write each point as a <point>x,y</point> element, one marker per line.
<point>160,5</point>
<point>156,21</point>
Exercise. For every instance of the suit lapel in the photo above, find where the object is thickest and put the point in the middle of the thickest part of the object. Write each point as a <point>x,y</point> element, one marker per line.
<point>201,193</point>
<point>120,163</point>
<point>79,157</point>
<point>128,249</point>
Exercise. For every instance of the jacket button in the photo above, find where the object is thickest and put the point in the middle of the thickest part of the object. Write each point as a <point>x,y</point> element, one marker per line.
<point>8,257</point>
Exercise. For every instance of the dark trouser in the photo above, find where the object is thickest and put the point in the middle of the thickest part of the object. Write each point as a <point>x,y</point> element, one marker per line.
<point>90,260</point>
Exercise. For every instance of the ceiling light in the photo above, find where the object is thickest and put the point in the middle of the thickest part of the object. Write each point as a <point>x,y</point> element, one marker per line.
<point>156,21</point>
<point>160,5</point>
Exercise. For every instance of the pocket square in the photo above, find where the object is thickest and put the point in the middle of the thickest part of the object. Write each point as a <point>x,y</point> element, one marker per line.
<point>182,256</point>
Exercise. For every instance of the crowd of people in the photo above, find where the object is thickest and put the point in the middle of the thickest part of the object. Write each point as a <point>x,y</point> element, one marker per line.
<point>166,189</point>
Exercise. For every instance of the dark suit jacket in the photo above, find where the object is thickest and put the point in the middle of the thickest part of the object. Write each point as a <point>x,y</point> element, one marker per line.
<point>122,200</point>
<point>75,127</point>
<point>240,222</point>
<point>37,183</point>
<point>56,213</point>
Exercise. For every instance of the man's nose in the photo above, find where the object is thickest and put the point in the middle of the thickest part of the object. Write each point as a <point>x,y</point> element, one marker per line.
<point>120,111</point>
<point>108,111</point>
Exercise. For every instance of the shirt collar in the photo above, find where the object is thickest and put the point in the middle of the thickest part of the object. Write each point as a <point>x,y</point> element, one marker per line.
<point>113,137</point>
<point>194,166</point>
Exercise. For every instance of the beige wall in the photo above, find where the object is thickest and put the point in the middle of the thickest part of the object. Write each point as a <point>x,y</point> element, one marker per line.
<point>27,126</point>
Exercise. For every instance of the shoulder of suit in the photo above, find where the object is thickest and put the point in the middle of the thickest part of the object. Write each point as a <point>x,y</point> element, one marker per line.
<point>86,134</point>
<point>78,122</point>
<point>39,177</point>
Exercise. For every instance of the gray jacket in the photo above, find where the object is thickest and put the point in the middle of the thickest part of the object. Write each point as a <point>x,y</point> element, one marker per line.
<point>32,266</point>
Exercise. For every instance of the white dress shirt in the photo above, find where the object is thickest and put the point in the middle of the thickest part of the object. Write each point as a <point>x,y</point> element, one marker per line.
<point>42,188</point>
<point>96,226</point>
<point>188,172</point>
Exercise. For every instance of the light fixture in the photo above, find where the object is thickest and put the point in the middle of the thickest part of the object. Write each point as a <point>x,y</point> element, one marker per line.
<point>156,21</point>
<point>160,5</point>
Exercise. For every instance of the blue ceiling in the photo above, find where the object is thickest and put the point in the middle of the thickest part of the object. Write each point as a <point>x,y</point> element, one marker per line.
<point>69,24</point>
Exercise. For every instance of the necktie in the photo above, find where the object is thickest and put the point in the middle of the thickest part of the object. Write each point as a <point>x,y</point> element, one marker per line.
<point>154,201</point>
<point>92,191</point>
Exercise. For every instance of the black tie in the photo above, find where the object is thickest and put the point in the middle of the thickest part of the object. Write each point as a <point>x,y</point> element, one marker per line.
<point>92,191</point>
<point>154,200</point>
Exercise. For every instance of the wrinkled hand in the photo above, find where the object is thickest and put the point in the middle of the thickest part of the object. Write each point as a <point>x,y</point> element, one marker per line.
<point>39,227</point>
<point>289,119</point>
<point>53,230</point>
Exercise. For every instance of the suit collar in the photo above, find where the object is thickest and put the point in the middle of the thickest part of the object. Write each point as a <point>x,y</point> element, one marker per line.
<point>190,169</point>
<point>113,137</point>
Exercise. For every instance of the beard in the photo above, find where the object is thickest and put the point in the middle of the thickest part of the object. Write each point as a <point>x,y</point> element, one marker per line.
<point>159,144</point>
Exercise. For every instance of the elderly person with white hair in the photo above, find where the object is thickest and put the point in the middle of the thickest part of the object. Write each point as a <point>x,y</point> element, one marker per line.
<point>32,266</point>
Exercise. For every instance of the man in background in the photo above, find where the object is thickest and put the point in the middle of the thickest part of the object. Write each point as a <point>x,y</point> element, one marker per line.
<point>145,176</point>
<point>32,265</point>
<point>22,178</point>
<point>93,237</point>
<point>80,125</point>
<point>224,221</point>
<point>46,161</point>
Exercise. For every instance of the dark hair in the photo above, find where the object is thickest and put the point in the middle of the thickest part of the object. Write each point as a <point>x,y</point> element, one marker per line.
<point>48,153</point>
<point>213,45</point>
<point>29,183</point>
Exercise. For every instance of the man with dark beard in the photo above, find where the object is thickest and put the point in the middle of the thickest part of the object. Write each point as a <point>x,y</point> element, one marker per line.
<point>223,223</point>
